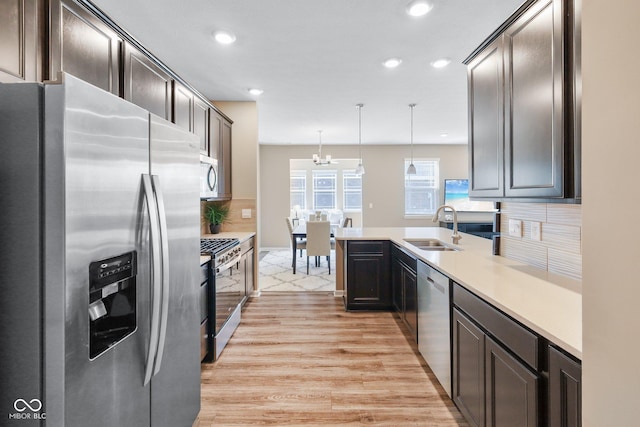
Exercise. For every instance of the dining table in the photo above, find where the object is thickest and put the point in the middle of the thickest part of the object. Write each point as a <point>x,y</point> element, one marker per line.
<point>300,232</point>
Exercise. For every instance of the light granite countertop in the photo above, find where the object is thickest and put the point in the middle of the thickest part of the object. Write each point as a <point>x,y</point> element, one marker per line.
<point>549,304</point>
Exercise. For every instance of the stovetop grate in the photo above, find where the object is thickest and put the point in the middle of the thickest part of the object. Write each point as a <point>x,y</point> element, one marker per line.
<point>213,246</point>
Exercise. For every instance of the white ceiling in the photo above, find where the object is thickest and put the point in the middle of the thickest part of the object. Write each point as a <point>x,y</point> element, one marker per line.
<point>316,59</point>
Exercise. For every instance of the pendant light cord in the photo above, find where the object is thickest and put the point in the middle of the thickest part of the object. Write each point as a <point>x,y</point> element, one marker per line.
<point>412,105</point>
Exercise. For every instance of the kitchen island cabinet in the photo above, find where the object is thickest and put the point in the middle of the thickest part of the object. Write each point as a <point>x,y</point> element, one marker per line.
<point>404,288</point>
<point>565,390</point>
<point>506,319</point>
<point>368,268</point>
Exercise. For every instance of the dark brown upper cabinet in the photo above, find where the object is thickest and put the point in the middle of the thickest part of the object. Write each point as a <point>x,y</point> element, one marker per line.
<point>145,83</point>
<point>84,46</point>
<point>523,104</point>
<point>201,125</point>
<point>486,121</point>
<point>20,56</point>
<point>182,106</point>
<point>224,161</point>
<point>215,134</point>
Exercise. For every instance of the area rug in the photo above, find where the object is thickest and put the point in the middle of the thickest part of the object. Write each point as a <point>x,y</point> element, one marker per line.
<point>276,274</point>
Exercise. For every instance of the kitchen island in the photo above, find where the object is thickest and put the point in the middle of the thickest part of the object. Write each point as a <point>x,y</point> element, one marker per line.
<point>547,303</point>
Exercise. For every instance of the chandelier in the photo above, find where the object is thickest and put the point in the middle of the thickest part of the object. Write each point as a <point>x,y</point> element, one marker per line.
<point>317,158</point>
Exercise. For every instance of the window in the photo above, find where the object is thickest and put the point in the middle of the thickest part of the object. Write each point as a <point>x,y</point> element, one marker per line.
<point>298,189</point>
<point>324,190</point>
<point>421,189</point>
<point>352,191</point>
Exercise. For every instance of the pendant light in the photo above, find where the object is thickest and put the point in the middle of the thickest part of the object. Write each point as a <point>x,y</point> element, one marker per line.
<point>360,168</point>
<point>317,158</point>
<point>411,170</point>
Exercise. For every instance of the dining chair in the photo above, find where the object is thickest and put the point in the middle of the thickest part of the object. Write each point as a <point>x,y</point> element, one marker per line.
<point>318,241</point>
<point>346,221</point>
<point>300,244</point>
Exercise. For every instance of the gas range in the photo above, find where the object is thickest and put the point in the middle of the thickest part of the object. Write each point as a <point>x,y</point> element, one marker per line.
<point>223,251</point>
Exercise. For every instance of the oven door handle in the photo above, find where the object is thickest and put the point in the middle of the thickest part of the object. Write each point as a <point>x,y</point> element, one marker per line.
<point>227,265</point>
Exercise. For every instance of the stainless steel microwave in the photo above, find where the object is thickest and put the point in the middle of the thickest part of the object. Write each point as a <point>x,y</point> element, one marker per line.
<point>208,178</point>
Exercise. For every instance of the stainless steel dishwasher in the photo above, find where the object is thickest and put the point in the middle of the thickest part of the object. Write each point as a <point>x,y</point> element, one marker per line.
<point>434,328</point>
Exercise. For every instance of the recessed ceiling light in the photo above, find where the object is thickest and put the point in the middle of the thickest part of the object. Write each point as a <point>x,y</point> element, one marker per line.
<point>224,37</point>
<point>440,63</point>
<point>444,135</point>
<point>392,62</point>
<point>418,8</point>
<point>255,91</point>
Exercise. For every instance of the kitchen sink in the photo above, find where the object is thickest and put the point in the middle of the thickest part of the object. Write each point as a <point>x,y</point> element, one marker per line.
<point>430,245</point>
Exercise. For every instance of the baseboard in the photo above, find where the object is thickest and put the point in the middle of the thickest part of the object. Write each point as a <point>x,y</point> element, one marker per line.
<point>338,293</point>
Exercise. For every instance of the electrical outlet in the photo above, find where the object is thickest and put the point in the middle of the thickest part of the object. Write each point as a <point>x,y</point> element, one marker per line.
<point>515,228</point>
<point>246,213</point>
<point>536,231</point>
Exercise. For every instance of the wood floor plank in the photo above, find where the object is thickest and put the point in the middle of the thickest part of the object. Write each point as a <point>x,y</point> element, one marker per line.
<point>301,360</point>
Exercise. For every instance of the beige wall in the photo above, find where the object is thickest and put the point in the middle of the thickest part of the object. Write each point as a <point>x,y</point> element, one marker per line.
<point>611,154</point>
<point>382,184</point>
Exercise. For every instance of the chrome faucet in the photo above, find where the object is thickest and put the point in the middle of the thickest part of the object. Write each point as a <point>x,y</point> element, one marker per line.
<point>455,236</point>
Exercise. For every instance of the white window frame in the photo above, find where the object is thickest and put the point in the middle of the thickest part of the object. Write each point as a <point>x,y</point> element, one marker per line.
<point>327,173</point>
<point>429,183</point>
<point>298,174</point>
<point>350,174</point>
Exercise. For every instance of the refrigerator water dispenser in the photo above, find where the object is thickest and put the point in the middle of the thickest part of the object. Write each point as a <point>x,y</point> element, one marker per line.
<point>112,301</point>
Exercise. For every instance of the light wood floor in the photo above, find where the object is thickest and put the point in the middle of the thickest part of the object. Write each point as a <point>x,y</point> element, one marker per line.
<point>300,359</point>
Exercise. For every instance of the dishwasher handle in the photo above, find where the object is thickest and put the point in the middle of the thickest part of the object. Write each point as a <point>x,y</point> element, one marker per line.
<point>436,285</point>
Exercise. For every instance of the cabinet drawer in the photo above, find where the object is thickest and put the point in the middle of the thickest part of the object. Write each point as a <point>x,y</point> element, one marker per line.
<point>204,290</point>
<point>514,336</point>
<point>246,245</point>
<point>366,247</point>
<point>409,260</point>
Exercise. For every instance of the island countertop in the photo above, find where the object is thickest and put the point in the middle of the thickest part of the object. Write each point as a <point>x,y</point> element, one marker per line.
<point>547,303</point>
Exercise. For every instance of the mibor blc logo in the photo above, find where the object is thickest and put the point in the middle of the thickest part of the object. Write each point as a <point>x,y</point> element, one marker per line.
<point>27,410</point>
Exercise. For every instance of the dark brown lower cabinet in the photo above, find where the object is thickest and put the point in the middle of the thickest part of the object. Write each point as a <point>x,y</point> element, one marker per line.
<point>565,390</point>
<point>368,268</point>
<point>404,288</point>
<point>468,369</point>
<point>511,389</point>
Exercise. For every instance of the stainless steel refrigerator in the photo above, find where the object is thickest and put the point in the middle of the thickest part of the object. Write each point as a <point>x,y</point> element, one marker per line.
<point>99,246</point>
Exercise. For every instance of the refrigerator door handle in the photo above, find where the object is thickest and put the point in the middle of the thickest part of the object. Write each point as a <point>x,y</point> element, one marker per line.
<point>154,231</point>
<point>164,249</point>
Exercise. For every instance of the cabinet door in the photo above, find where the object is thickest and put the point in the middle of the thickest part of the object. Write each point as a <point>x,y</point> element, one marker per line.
<point>511,390</point>
<point>215,134</point>
<point>410,316</point>
<point>468,369</point>
<point>368,267</point>
<point>534,153</point>
<point>19,41</point>
<point>485,77</point>
<point>201,125</point>
<point>225,159</point>
<point>84,46</point>
<point>565,390</point>
<point>396,286</point>
<point>146,84</point>
<point>182,107</point>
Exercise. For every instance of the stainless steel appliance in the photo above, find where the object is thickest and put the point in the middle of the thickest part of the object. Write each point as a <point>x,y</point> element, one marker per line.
<point>434,327</point>
<point>227,291</point>
<point>208,178</point>
<point>100,253</point>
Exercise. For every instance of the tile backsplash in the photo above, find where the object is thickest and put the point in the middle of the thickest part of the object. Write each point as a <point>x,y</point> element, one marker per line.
<point>559,249</point>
